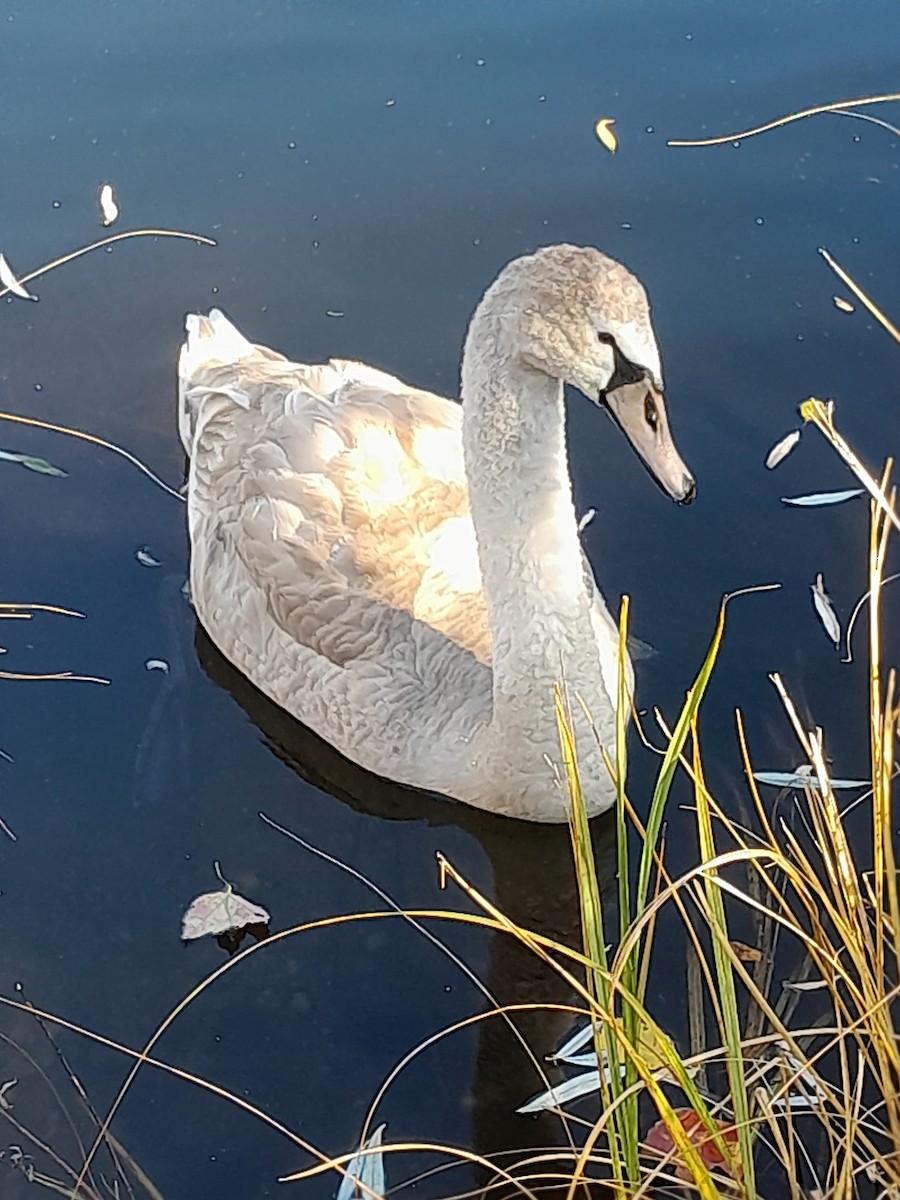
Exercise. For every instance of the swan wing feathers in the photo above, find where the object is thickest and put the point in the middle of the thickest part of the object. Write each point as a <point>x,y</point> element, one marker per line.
<point>341,489</point>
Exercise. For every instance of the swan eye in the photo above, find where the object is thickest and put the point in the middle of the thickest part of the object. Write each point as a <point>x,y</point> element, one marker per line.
<point>606,339</point>
<point>651,416</point>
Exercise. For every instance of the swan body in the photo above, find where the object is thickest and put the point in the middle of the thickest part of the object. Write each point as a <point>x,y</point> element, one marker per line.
<point>403,574</point>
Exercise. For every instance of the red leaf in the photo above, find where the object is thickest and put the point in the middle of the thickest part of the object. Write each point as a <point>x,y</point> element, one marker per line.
<point>659,1140</point>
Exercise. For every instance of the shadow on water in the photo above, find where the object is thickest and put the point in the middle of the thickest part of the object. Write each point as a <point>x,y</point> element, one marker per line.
<point>534,885</point>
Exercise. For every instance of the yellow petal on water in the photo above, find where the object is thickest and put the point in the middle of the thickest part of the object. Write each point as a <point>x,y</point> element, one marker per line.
<point>842,304</point>
<point>8,279</point>
<point>603,131</point>
<point>106,198</point>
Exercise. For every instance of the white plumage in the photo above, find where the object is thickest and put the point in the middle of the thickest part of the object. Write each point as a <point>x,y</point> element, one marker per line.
<point>405,579</point>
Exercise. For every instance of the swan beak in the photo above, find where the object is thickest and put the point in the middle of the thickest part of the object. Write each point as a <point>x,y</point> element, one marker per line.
<point>640,412</point>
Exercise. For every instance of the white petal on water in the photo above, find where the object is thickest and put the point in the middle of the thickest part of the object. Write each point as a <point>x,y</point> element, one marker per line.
<point>818,499</point>
<point>8,279</point>
<point>586,519</point>
<point>842,304</point>
<point>365,1169</point>
<point>106,198</point>
<point>811,985</point>
<point>562,1093</point>
<point>4,1088</point>
<point>782,449</point>
<point>825,609</point>
<point>145,558</point>
<point>218,912</point>
<point>157,664</point>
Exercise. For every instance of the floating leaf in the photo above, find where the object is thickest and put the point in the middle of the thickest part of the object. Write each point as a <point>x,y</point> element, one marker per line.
<point>218,912</point>
<point>562,1093</point>
<point>810,1090</point>
<point>782,449</point>
<point>145,558</point>
<point>661,1141</point>
<point>8,279</point>
<point>588,1059</point>
<point>32,463</point>
<point>603,132</point>
<point>811,985</point>
<point>157,664</point>
<point>573,1044</point>
<point>825,609</point>
<point>40,465</point>
<point>106,198</point>
<point>843,305</point>
<point>746,953</point>
<point>365,1172</point>
<point>818,499</point>
<point>803,776</point>
<point>783,779</point>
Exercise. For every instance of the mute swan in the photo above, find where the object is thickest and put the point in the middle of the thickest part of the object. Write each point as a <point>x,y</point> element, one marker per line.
<point>403,574</point>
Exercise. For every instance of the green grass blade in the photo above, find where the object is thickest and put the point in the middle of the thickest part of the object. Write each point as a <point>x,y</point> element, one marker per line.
<point>670,761</point>
<point>623,1136</point>
<point>724,974</point>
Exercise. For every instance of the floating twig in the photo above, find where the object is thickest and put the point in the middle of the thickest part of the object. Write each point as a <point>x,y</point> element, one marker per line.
<point>837,106</point>
<point>55,675</point>
<point>820,414</point>
<point>33,608</point>
<point>846,112</point>
<point>108,241</point>
<point>97,441</point>
<point>857,291</point>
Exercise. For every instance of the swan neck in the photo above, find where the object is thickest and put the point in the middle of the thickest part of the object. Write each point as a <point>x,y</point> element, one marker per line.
<point>538,602</point>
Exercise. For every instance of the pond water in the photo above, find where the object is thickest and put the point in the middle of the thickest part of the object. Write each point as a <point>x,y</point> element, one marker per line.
<point>382,161</point>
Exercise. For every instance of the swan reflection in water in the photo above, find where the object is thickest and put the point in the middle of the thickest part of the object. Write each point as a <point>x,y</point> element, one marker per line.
<point>534,885</point>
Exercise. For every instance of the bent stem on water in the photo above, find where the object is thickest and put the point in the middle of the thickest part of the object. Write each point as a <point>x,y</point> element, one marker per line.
<point>126,235</point>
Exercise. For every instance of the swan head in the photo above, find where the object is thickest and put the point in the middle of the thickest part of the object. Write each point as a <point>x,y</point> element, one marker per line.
<point>578,316</point>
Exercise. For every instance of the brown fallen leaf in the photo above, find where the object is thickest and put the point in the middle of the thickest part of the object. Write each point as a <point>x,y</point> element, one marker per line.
<point>603,131</point>
<point>660,1141</point>
<point>747,953</point>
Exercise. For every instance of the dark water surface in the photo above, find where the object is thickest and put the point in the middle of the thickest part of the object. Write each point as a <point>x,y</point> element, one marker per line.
<point>383,160</point>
